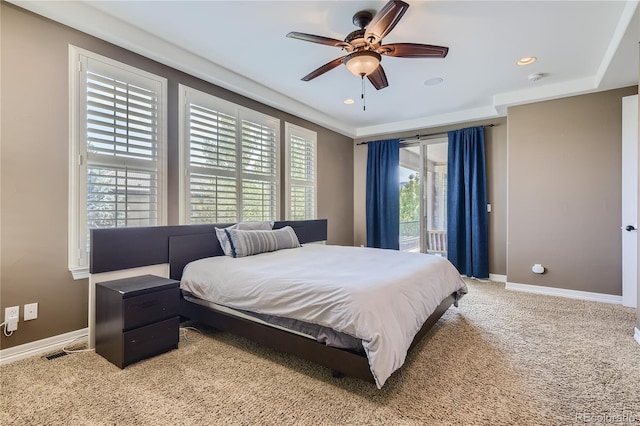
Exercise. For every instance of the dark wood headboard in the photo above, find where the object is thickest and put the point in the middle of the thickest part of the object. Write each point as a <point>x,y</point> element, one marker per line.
<point>123,248</point>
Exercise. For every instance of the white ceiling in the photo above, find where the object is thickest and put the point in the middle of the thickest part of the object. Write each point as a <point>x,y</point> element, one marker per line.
<point>581,46</point>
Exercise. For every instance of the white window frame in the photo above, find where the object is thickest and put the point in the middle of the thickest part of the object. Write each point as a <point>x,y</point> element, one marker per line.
<point>187,96</point>
<point>291,130</point>
<point>79,62</point>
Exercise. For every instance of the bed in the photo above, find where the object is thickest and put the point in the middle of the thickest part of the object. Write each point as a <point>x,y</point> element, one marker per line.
<point>196,248</point>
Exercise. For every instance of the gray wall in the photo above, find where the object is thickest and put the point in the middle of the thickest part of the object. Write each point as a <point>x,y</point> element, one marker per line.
<point>35,139</point>
<point>564,192</point>
<point>496,163</point>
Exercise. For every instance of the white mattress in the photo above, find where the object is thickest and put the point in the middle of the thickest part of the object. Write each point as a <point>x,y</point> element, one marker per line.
<point>379,296</point>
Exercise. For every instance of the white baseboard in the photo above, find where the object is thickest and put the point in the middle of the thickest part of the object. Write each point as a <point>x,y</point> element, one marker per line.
<point>562,292</point>
<point>498,278</point>
<point>40,347</point>
<point>636,335</point>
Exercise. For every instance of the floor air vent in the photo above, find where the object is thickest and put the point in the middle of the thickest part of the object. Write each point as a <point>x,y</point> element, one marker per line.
<point>55,355</point>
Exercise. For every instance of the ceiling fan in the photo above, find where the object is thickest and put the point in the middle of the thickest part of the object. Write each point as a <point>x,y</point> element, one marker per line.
<point>364,46</point>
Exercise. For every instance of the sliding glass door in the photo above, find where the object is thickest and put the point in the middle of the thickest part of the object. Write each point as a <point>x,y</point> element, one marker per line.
<point>423,197</point>
<point>410,198</point>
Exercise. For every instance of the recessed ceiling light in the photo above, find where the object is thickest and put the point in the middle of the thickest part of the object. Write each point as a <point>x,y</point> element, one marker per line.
<point>527,60</point>
<point>349,101</point>
<point>433,81</point>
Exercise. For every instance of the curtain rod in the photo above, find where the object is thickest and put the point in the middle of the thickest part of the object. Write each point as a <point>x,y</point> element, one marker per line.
<point>418,137</point>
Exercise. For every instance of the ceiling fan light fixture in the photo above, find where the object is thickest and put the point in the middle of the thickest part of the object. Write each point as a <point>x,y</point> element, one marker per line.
<point>362,63</point>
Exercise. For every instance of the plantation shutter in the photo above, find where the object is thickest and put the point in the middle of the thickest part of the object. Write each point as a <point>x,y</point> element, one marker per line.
<point>259,171</point>
<point>122,152</point>
<point>232,164</point>
<point>302,173</point>
<point>212,164</point>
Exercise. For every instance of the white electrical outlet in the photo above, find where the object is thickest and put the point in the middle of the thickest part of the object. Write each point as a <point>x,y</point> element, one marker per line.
<point>30,311</point>
<point>11,316</point>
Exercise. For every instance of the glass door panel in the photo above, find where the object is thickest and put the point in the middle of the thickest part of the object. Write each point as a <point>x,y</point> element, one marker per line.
<point>434,197</point>
<point>409,210</point>
<point>410,198</point>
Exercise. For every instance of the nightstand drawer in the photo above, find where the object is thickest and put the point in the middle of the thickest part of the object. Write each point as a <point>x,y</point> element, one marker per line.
<point>150,340</point>
<point>150,308</point>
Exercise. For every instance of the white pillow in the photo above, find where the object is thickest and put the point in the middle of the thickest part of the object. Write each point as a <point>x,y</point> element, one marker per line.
<point>247,243</point>
<point>248,226</point>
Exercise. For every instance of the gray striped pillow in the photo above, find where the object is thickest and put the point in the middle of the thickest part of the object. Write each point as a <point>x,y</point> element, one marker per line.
<point>222,235</point>
<point>247,243</point>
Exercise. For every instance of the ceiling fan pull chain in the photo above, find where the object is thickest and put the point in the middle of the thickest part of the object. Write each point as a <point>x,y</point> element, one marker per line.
<point>364,103</point>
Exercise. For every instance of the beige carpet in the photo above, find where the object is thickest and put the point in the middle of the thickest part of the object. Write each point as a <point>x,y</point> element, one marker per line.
<point>502,358</point>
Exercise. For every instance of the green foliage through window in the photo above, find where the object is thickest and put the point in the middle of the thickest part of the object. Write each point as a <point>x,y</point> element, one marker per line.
<point>410,199</point>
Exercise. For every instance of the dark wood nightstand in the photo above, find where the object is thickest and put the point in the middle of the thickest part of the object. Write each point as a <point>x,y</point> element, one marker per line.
<point>136,318</point>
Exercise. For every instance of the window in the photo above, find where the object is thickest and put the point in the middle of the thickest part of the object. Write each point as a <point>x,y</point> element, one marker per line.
<point>300,177</point>
<point>118,161</point>
<point>230,159</point>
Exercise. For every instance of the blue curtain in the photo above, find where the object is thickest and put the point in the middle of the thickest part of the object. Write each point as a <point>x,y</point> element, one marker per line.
<point>383,194</point>
<point>467,219</point>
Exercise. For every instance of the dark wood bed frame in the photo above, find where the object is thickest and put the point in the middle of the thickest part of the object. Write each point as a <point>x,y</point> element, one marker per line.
<point>124,248</point>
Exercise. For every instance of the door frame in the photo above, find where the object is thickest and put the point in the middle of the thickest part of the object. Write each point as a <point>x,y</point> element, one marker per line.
<point>629,173</point>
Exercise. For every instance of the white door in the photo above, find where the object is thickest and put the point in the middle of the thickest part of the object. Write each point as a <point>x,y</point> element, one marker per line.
<point>630,200</point>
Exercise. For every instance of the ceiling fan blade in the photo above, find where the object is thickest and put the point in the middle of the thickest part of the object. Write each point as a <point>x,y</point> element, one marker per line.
<point>385,20</point>
<point>413,50</point>
<point>318,39</point>
<point>326,67</point>
<point>378,78</point>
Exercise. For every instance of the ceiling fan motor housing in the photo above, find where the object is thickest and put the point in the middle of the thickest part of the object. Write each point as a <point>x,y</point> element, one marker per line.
<point>356,38</point>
